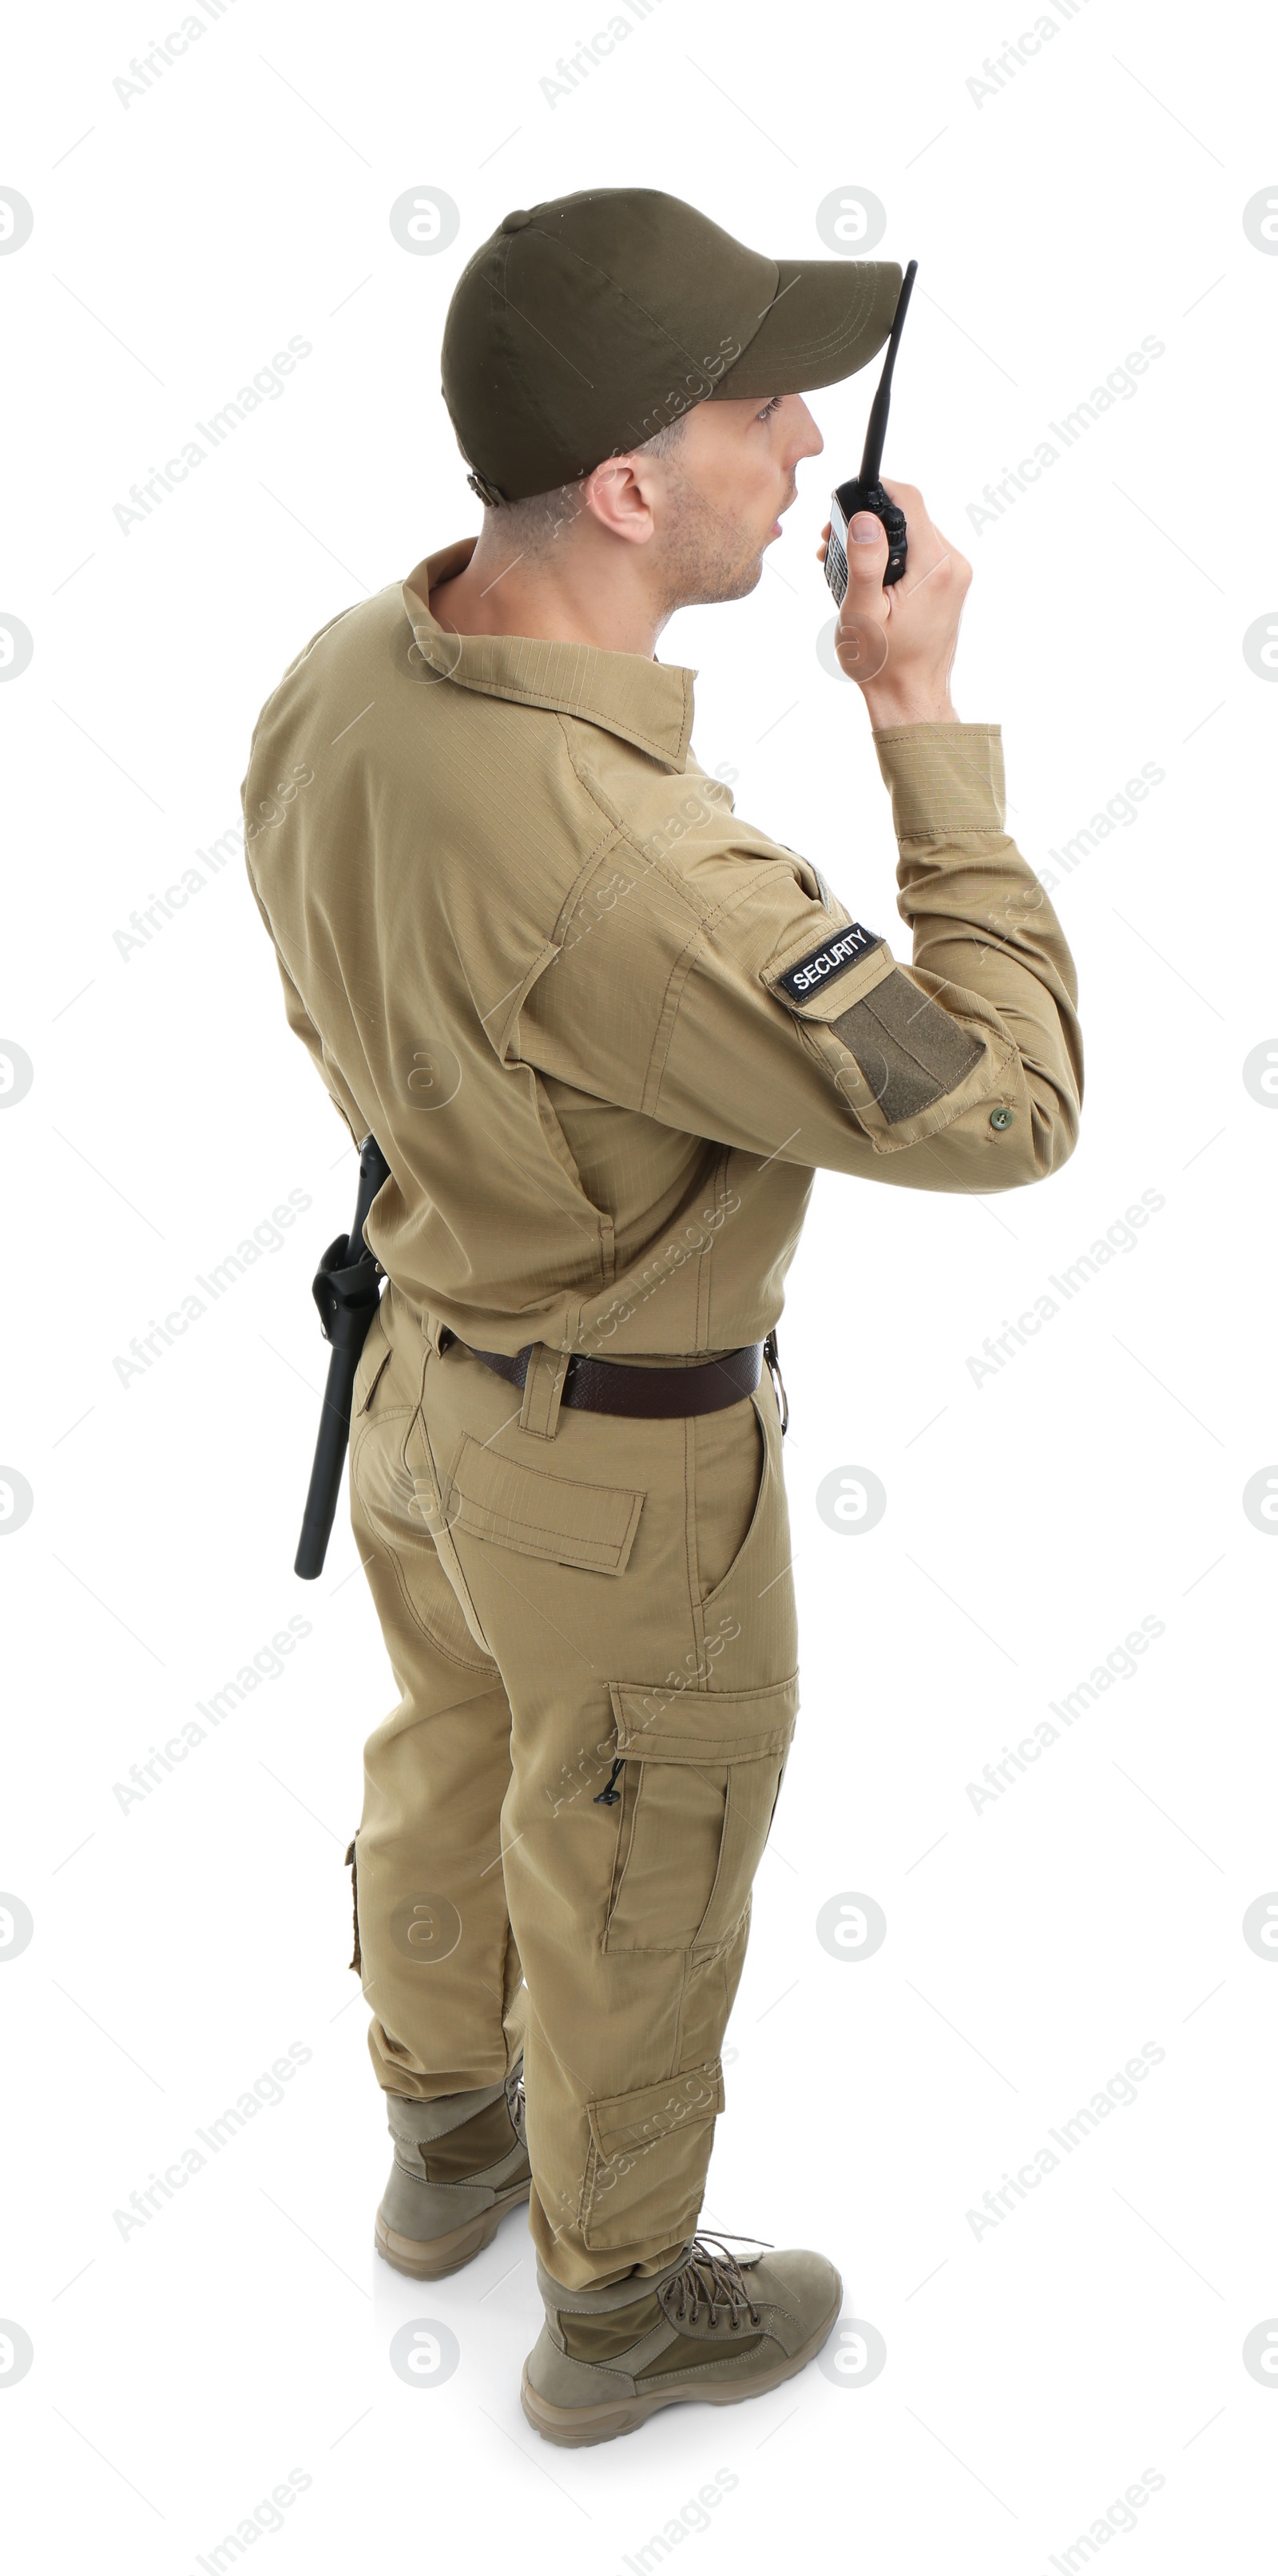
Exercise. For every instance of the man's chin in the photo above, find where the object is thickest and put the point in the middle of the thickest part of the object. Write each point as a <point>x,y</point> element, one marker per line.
<point>717,586</point>
<point>738,585</point>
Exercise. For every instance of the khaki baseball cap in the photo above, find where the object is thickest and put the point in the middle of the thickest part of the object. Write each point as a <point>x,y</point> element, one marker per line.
<point>586,324</point>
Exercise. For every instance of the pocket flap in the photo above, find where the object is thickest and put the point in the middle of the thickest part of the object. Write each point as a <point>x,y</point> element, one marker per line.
<point>538,1515</point>
<point>626,2121</point>
<point>659,1722</point>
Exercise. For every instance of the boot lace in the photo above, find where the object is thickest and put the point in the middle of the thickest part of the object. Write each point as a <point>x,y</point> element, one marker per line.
<point>515,2102</point>
<point>711,2278</point>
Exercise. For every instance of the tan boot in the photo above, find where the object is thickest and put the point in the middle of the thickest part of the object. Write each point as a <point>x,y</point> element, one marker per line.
<point>709,2327</point>
<point>460,2163</point>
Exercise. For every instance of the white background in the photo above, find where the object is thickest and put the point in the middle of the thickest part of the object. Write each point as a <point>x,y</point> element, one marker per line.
<point>180,1945</point>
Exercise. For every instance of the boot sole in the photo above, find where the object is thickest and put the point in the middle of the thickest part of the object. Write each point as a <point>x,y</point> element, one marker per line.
<point>573,2427</point>
<point>439,2255</point>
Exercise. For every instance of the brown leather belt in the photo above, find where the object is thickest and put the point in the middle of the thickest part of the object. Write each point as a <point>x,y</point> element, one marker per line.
<point>602,1386</point>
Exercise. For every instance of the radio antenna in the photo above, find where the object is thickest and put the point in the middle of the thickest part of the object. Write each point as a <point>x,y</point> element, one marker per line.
<point>876,428</point>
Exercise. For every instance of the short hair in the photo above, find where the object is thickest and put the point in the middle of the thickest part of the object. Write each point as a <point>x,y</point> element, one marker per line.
<point>538,520</point>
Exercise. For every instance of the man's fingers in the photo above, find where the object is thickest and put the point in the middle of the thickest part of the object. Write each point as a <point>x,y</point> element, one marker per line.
<point>918,521</point>
<point>931,558</point>
<point>865,531</point>
<point>926,541</point>
<point>860,641</point>
<point>866,550</point>
<point>929,549</point>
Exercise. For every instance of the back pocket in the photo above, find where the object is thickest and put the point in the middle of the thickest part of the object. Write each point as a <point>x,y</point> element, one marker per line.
<point>518,1507</point>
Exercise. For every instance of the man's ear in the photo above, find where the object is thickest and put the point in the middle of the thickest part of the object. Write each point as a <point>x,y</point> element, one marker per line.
<point>619,494</point>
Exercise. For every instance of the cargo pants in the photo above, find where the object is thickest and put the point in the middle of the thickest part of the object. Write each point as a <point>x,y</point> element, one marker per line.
<point>591,1622</point>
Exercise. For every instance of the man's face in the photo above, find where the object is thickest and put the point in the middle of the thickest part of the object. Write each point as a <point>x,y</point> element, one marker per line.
<point>716,499</point>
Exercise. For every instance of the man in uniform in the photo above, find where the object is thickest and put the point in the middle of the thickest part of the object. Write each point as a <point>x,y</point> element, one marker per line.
<point>605,1032</point>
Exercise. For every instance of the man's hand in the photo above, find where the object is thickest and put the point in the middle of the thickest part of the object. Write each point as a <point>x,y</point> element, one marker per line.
<point>898,644</point>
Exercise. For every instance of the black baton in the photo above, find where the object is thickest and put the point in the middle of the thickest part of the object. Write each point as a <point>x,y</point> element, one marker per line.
<point>346,1289</point>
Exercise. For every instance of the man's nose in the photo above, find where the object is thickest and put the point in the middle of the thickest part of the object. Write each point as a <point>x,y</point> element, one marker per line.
<point>806,439</point>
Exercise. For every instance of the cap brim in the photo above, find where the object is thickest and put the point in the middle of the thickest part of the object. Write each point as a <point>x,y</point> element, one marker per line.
<point>827,318</point>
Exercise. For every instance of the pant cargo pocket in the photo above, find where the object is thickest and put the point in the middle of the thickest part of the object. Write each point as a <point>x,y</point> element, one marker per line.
<point>649,2151</point>
<point>702,1772</point>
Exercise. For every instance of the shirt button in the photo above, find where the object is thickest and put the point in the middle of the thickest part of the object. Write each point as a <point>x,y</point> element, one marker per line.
<point>515,222</point>
<point>1001,1118</point>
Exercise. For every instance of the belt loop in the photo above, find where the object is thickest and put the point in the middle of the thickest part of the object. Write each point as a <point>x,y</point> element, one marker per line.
<point>543,1387</point>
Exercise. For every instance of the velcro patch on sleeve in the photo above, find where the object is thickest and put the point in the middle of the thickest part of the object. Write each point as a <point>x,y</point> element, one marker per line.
<point>910,1051</point>
<point>847,948</point>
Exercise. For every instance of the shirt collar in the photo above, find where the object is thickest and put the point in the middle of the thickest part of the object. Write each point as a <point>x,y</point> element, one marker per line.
<point>647,703</point>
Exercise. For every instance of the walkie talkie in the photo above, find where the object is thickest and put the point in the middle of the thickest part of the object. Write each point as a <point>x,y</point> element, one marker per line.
<point>865,492</point>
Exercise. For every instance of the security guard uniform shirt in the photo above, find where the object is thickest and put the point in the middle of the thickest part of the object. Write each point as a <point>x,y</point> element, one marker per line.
<point>603,1030</point>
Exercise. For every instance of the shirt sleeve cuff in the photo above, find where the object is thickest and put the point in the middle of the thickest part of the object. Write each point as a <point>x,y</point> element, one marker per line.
<point>943,778</point>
